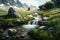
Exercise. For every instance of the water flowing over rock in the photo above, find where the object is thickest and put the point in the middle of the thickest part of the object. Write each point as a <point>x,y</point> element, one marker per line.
<point>12,13</point>
<point>37,19</point>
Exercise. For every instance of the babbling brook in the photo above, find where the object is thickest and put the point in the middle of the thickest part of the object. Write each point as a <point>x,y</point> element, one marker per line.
<point>29,19</point>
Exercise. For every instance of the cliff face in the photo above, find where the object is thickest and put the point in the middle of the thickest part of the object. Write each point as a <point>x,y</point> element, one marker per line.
<point>16,3</point>
<point>19,4</point>
<point>7,1</point>
<point>11,2</point>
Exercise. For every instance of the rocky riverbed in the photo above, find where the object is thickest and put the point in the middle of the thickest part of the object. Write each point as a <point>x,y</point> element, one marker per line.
<point>19,30</point>
<point>15,34</point>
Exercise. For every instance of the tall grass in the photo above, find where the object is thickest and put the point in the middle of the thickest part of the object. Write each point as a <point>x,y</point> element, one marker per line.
<point>53,22</point>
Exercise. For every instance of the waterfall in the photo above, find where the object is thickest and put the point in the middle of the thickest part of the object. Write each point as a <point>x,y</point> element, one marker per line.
<point>29,22</point>
<point>36,19</point>
<point>35,22</point>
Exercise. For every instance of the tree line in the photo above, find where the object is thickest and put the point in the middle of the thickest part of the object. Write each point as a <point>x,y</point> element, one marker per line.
<point>50,5</point>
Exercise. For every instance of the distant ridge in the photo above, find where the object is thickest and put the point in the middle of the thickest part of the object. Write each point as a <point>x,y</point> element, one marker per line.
<point>16,3</point>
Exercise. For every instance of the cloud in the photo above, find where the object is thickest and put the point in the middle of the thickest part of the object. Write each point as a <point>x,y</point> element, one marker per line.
<point>34,2</point>
<point>40,2</point>
<point>30,2</point>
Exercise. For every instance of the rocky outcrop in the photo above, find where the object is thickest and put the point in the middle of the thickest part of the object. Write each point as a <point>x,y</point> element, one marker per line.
<point>19,4</point>
<point>7,2</point>
<point>15,34</point>
<point>11,3</point>
<point>12,13</point>
<point>16,3</point>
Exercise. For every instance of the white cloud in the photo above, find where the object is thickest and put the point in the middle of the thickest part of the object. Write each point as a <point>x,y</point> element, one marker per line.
<point>40,2</point>
<point>30,2</point>
<point>34,2</point>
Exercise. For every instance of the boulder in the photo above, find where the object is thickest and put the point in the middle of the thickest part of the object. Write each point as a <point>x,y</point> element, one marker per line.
<point>42,27</point>
<point>46,18</point>
<point>40,22</point>
<point>12,32</point>
<point>12,13</point>
<point>11,25</point>
<point>51,29</point>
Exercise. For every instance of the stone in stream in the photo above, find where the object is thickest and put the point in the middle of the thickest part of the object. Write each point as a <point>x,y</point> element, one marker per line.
<point>46,18</point>
<point>12,32</point>
<point>43,28</point>
<point>11,25</point>
<point>18,34</point>
<point>12,13</point>
<point>51,29</point>
<point>30,15</point>
<point>40,22</point>
<point>35,14</point>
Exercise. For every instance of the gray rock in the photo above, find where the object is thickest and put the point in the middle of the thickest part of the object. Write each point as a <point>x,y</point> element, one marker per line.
<point>15,34</point>
<point>12,32</point>
<point>12,13</point>
<point>51,29</point>
<point>7,2</point>
<point>11,3</point>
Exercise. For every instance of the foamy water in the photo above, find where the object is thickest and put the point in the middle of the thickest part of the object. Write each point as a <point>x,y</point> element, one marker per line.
<point>29,26</point>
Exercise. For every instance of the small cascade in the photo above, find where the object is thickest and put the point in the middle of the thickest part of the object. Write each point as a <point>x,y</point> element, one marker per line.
<point>37,18</point>
<point>35,22</point>
<point>29,22</point>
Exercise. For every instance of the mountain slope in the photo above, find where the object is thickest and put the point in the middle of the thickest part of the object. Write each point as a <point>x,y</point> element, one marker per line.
<point>16,3</point>
<point>11,2</point>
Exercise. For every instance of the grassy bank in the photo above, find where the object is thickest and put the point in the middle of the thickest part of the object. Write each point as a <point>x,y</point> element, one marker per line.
<point>54,22</point>
<point>37,34</point>
<point>6,20</point>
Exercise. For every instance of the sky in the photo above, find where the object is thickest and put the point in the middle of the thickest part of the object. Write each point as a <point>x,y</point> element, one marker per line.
<point>34,2</point>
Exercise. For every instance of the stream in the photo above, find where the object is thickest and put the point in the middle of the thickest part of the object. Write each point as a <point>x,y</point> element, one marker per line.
<point>23,33</point>
<point>34,24</point>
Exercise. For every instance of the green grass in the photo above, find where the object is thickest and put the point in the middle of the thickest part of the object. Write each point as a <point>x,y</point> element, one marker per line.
<point>3,12</point>
<point>50,13</point>
<point>6,20</point>
<point>54,22</point>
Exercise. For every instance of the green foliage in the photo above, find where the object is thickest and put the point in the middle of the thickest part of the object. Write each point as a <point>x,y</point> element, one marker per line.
<point>56,3</point>
<point>37,34</point>
<point>42,35</point>
<point>54,22</point>
<point>46,6</point>
<point>3,12</point>
<point>5,20</point>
